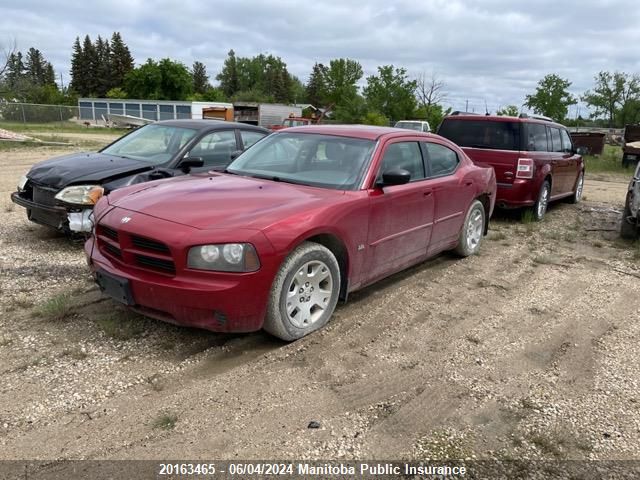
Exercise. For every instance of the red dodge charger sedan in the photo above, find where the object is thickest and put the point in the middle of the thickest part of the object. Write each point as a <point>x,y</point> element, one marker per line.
<point>296,222</point>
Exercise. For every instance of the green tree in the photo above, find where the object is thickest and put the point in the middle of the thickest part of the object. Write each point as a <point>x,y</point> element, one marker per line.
<point>391,93</point>
<point>316,87</point>
<point>116,92</point>
<point>120,62</point>
<point>340,80</point>
<point>200,78</point>
<point>509,111</point>
<point>89,68</point>
<point>433,114</point>
<point>15,71</point>
<point>614,96</point>
<point>552,97</point>
<point>103,70</point>
<point>78,70</point>
<point>38,71</point>
<point>228,77</point>
<point>163,80</point>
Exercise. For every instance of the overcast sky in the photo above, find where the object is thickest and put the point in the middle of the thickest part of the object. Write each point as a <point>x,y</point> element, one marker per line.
<point>484,50</point>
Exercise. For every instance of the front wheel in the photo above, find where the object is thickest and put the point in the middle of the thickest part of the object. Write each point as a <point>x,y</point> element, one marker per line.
<point>304,292</point>
<point>472,230</point>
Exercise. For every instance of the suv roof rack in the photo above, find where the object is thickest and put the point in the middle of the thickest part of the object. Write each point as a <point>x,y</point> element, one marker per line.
<point>458,112</point>
<point>536,117</point>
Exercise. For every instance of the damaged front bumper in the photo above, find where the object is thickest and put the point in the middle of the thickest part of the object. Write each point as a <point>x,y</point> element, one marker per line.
<point>60,217</point>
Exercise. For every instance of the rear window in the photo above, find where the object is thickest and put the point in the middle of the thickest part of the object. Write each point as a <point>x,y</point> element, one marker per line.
<point>482,134</point>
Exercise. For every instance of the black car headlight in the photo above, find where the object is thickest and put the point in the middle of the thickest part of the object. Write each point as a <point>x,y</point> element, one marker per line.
<point>225,257</point>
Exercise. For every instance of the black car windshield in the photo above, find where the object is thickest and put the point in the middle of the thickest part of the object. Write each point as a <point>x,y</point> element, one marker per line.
<point>155,144</point>
<point>327,161</point>
<point>482,133</point>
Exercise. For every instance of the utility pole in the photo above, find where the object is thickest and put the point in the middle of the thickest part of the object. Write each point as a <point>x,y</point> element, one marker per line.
<point>466,108</point>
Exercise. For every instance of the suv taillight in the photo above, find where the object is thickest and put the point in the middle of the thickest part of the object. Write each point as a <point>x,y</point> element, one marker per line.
<point>525,168</point>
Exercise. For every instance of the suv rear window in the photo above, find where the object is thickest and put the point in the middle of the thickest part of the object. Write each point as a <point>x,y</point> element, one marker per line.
<point>482,133</point>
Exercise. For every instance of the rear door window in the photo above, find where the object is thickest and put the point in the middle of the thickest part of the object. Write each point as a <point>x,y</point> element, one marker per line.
<point>442,160</point>
<point>482,133</point>
<point>567,146</point>
<point>556,141</point>
<point>537,138</point>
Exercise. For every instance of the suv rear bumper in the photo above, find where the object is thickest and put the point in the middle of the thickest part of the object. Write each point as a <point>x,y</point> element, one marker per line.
<point>520,193</point>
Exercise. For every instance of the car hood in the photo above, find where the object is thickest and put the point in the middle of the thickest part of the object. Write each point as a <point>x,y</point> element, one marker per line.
<point>83,167</point>
<point>223,201</point>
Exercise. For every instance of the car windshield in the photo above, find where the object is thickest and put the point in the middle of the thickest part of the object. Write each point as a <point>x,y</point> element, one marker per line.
<point>156,144</point>
<point>326,161</point>
<point>410,125</point>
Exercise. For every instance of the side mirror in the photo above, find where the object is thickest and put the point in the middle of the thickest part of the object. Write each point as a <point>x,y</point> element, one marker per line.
<point>395,176</point>
<point>580,151</point>
<point>235,154</point>
<point>188,163</point>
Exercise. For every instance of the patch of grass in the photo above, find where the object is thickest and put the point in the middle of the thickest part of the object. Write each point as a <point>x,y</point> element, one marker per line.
<point>527,216</point>
<point>609,161</point>
<point>55,309</point>
<point>166,421</point>
<point>57,127</point>
<point>559,443</point>
<point>121,325</point>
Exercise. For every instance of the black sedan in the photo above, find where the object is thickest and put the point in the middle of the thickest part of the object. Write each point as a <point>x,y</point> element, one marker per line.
<point>60,192</point>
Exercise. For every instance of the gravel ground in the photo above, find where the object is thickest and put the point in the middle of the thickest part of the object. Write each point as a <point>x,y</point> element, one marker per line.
<point>528,350</point>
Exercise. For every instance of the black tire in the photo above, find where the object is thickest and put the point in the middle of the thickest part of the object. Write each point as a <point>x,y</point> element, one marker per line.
<point>542,203</point>
<point>577,189</point>
<point>470,237</point>
<point>628,230</point>
<point>288,292</point>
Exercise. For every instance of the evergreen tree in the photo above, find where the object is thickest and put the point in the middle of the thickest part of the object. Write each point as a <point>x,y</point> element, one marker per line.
<point>89,69</point>
<point>15,70</point>
<point>121,61</point>
<point>34,67</point>
<point>77,71</point>
<point>49,76</point>
<point>200,78</point>
<point>316,86</point>
<point>103,67</point>
<point>228,77</point>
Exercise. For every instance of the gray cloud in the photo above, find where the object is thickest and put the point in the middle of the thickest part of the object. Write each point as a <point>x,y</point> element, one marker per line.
<point>492,51</point>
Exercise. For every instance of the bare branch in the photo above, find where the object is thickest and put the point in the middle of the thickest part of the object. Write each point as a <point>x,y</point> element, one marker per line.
<point>429,90</point>
<point>7,52</point>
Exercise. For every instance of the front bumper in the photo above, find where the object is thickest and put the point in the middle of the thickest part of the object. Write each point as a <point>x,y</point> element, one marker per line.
<point>220,302</point>
<point>51,216</point>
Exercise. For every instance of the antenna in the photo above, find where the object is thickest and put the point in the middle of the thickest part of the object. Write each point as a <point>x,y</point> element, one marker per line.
<point>486,109</point>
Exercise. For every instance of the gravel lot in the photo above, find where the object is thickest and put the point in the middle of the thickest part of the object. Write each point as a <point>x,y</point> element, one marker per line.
<point>530,349</point>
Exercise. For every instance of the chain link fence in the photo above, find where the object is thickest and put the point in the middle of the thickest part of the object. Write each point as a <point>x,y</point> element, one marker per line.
<point>30,113</point>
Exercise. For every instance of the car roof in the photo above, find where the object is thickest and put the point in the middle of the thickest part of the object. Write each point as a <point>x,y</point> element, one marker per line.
<point>209,124</point>
<point>502,118</point>
<point>365,132</point>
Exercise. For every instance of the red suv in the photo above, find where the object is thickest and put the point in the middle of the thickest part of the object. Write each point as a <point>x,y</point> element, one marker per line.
<point>533,157</point>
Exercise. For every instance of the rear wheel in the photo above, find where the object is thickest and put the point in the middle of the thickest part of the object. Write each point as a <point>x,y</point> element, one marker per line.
<point>628,230</point>
<point>304,293</point>
<point>577,192</point>
<point>540,207</point>
<point>472,230</point>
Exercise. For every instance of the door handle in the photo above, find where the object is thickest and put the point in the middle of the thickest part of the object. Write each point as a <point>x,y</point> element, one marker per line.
<point>427,193</point>
<point>468,183</point>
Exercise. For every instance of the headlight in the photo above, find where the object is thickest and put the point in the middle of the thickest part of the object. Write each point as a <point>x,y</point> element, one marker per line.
<point>81,194</point>
<point>228,257</point>
<point>23,181</point>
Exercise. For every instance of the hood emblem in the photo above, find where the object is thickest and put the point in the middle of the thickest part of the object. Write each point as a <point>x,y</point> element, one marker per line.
<point>125,220</point>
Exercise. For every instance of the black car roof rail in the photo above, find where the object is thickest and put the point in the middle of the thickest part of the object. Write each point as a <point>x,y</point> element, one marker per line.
<point>458,112</point>
<point>536,117</point>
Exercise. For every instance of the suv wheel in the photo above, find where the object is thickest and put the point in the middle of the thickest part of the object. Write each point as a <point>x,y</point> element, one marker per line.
<point>577,193</point>
<point>628,230</point>
<point>540,207</point>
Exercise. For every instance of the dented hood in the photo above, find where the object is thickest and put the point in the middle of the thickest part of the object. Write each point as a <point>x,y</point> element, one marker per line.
<point>84,167</point>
